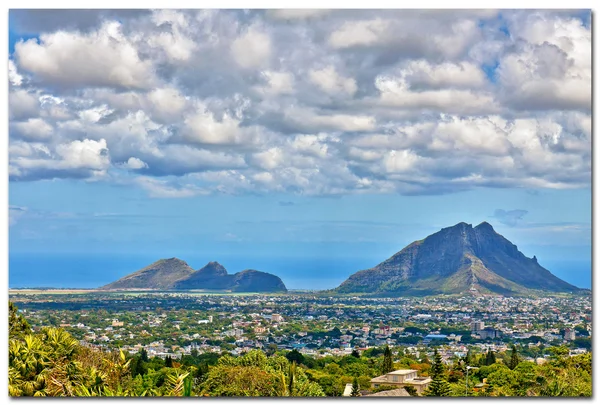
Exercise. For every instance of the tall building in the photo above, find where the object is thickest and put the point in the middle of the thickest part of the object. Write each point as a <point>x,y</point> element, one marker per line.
<point>476,326</point>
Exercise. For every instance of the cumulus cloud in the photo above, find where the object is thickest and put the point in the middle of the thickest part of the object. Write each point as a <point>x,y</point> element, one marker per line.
<point>34,129</point>
<point>314,102</point>
<point>103,58</point>
<point>135,163</point>
<point>76,159</point>
<point>328,80</point>
<point>13,76</point>
<point>252,49</point>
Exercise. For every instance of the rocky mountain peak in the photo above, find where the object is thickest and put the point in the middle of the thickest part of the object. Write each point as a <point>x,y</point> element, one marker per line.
<point>457,259</point>
<point>213,268</point>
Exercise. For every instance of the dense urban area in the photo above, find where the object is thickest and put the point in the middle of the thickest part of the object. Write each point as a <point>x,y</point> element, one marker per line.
<point>315,345</point>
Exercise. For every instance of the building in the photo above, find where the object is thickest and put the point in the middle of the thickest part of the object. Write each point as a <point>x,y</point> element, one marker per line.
<point>569,334</point>
<point>476,326</point>
<point>434,337</point>
<point>398,392</point>
<point>402,378</point>
<point>116,323</point>
<point>276,318</point>
<point>489,333</point>
<point>347,390</point>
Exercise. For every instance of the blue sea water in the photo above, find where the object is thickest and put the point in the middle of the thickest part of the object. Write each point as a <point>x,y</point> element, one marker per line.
<point>94,270</point>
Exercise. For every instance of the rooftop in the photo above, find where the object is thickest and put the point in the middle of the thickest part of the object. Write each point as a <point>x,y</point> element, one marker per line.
<point>402,372</point>
<point>400,392</point>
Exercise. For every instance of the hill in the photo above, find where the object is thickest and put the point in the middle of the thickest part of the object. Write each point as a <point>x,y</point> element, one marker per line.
<point>454,260</point>
<point>160,275</point>
<point>175,274</point>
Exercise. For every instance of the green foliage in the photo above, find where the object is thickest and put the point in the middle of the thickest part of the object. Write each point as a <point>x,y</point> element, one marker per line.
<point>17,325</point>
<point>295,356</point>
<point>490,358</point>
<point>355,388</point>
<point>514,358</point>
<point>388,365</point>
<point>438,387</point>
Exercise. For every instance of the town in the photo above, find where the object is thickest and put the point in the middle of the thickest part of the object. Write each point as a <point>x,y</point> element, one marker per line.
<point>175,324</point>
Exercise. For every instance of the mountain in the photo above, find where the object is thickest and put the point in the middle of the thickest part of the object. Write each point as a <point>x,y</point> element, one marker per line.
<point>454,260</point>
<point>175,274</point>
<point>161,274</point>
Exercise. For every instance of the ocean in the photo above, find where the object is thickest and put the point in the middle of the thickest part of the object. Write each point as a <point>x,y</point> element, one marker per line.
<point>63,270</point>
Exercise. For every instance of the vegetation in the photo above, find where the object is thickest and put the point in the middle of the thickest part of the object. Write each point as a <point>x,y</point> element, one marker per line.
<point>51,362</point>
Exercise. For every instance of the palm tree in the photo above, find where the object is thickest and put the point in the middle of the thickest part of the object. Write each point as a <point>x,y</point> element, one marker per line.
<point>27,364</point>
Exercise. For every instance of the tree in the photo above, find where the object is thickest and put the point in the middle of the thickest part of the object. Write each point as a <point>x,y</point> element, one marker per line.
<point>295,356</point>
<point>437,368</point>
<point>438,387</point>
<point>514,358</point>
<point>468,358</point>
<point>144,355</point>
<point>388,365</point>
<point>355,388</point>
<point>17,325</point>
<point>355,353</point>
<point>412,391</point>
<point>490,358</point>
<point>168,362</point>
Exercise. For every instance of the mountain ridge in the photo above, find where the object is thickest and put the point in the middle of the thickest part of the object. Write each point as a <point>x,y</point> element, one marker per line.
<point>176,274</point>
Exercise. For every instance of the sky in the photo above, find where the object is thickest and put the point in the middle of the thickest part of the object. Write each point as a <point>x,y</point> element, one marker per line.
<point>307,143</point>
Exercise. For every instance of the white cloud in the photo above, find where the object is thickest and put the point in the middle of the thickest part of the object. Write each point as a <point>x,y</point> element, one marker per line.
<point>34,129</point>
<point>252,49</point>
<point>175,44</point>
<point>395,92</point>
<point>166,104</point>
<point>309,121</point>
<point>76,159</point>
<point>328,80</point>
<point>22,105</point>
<point>203,128</point>
<point>422,74</point>
<point>359,33</point>
<point>314,102</point>
<point>296,14</point>
<point>551,68</point>
<point>102,58</point>
<point>135,164</point>
<point>13,75</point>
<point>277,83</point>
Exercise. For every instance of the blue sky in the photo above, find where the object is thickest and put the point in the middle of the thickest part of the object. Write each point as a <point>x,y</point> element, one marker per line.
<point>272,138</point>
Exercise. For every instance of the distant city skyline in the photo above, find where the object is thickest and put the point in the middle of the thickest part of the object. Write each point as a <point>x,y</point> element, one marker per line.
<point>238,136</point>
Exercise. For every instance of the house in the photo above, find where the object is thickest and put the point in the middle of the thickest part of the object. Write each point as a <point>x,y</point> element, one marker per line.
<point>399,392</point>
<point>402,378</point>
<point>116,323</point>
